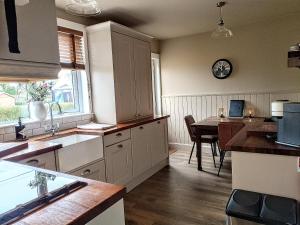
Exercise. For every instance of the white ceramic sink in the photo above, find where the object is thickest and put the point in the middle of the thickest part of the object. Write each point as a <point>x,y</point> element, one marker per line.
<point>78,150</point>
<point>73,139</point>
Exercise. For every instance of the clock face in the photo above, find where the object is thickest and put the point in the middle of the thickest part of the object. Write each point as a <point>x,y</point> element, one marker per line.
<point>222,69</point>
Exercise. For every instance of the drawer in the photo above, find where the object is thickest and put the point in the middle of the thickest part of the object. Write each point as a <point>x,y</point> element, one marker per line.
<point>45,161</point>
<point>95,171</point>
<point>116,137</point>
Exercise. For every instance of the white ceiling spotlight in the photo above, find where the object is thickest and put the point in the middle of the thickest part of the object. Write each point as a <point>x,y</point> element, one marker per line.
<point>82,7</point>
<point>221,31</point>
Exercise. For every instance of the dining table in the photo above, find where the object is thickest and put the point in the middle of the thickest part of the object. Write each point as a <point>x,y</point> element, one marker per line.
<point>211,126</point>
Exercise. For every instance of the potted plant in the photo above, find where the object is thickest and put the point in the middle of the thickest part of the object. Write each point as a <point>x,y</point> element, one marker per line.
<point>38,93</point>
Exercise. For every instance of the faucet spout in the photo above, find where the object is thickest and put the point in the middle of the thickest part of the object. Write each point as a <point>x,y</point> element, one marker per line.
<point>53,128</point>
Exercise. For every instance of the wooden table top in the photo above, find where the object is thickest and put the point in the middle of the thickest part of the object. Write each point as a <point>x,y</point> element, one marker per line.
<point>78,207</point>
<point>215,121</point>
<point>252,138</point>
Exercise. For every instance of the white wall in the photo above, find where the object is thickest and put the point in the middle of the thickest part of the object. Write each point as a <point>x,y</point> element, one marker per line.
<point>258,53</point>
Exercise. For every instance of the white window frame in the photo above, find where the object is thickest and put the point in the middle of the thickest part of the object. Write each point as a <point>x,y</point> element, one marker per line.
<point>156,83</point>
<point>85,108</point>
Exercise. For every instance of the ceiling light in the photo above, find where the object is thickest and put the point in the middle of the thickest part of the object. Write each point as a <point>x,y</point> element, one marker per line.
<point>83,7</point>
<point>221,31</point>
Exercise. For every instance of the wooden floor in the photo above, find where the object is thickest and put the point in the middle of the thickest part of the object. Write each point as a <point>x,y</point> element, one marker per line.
<point>181,195</point>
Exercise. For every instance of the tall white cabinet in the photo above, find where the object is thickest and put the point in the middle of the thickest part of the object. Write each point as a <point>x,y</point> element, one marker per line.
<point>120,65</point>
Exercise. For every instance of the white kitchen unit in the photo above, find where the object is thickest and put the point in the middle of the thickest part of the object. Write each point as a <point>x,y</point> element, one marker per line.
<point>37,40</point>
<point>132,161</point>
<point>94,171</point>
<point>114,215</point>
<point>45,161</point>
<point>120,65</point>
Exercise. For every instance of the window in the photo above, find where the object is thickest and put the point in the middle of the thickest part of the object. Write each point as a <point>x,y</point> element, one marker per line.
<point>156,79</point>
<point>70,90</point>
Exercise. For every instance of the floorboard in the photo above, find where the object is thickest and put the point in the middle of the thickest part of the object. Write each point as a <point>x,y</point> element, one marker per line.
<point>181,195</point>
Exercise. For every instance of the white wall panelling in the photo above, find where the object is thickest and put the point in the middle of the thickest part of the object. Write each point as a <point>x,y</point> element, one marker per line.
<point>203,106</point>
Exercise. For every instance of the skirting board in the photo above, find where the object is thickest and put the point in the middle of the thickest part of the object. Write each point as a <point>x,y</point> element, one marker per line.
<point>141,178</point>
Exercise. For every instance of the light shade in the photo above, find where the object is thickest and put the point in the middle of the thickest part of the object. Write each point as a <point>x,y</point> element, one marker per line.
<point>83,7</point>
<point>222,32</point>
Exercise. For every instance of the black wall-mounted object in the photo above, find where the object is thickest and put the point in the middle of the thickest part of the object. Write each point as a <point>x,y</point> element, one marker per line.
<point>236,108</point>
<point>12,27</point>
<point>222,69</point>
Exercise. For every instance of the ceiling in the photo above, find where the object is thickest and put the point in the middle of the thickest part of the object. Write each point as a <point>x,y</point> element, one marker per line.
<point>166,19</point>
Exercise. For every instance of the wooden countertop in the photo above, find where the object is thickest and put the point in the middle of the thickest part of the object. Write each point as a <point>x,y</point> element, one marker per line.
<point>78,207</point>
<point>252,138</point>
<point>36,146</point>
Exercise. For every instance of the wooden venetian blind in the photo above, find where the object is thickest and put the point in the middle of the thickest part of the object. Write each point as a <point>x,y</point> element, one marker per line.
<point>71,48</point>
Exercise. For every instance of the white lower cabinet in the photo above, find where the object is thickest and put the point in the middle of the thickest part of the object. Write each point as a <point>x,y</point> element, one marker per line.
<point>94,171</point>
<point>141,145</point>
<point>118,159</point>
<point>159,141</point>
<point>45,161</point>
<point>149,145</point>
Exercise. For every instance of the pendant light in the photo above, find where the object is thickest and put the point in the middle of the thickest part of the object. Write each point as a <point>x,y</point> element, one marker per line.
<point>82,7</point>
<point>221,31</point>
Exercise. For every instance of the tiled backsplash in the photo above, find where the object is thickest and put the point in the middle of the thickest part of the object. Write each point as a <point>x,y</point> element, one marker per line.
<point>7,133</point>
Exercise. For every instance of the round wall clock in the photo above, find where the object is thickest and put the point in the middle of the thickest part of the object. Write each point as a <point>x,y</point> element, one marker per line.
<point>222,68</point>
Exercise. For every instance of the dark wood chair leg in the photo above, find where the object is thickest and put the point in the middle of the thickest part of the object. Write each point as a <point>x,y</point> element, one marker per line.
<point>192,152</point>
<point>213,153</point>
<point>215,149</point>
<point>219,149</point>
<point>222,156</point>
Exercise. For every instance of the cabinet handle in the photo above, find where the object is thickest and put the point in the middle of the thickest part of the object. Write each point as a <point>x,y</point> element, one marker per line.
<point>119,134</point>
<point>158,122</point>
<point>86,172</point>
<point>32,162</point>
<point>120,146</point>
<point>141,128</point>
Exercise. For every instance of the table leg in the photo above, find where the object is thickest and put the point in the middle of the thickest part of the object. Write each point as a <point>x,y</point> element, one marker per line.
<point>199,155</point>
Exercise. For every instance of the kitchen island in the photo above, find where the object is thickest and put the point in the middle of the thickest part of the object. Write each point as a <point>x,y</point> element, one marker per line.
<point>92,203</point>
<point>260,164</point>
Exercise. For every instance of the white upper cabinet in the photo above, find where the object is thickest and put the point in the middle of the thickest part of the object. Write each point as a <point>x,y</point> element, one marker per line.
<point>142,60</point>
<point>37,41</point>
<point>120,65</point>
<point>125,85</point>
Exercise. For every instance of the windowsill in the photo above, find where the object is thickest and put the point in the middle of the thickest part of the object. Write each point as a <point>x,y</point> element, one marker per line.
<point>55,117</point>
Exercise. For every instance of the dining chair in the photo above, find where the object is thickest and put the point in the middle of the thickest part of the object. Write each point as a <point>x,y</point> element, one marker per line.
<point>208,139</point>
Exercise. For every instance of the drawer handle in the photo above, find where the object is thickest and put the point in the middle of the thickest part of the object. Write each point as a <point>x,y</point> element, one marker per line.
<point>119,134</point>
<point>120,146</point>
<point>158,122</point>
<point>32,162</point>
<point>141,128</point>
<point>86,172</point>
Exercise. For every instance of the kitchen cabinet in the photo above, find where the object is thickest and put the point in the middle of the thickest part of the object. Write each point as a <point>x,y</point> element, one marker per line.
<point>45,161</point>
<point>141,144</point>
<point>149,146</point>
<point>142,56</point>
<point>94,171</point>
<point>118,159</point>
<point>37,41</point>
<point>120,66</point>
<point>159,141</point>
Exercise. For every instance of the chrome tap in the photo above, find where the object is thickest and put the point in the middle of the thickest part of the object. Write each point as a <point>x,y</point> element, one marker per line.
<point>53,128</point>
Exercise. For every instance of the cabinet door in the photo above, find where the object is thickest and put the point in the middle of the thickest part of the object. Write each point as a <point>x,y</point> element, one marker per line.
<point>143,77</point>
<point>45,161</point>
<point>95,171</point>
<point>159,141</point>
<point>123,61</point>
<point>140,137</point>
<point>119,163</point>
<point>37,33</point>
